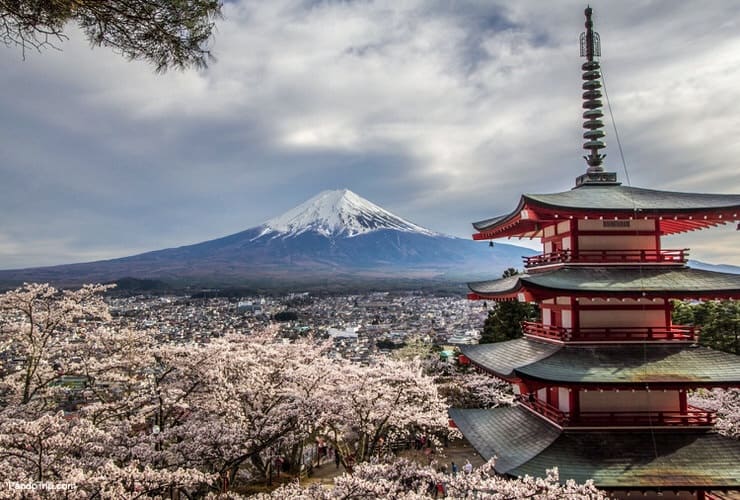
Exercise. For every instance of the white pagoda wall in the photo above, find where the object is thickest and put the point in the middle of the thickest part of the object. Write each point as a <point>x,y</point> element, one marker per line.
<point>562,228</point>
<point>616,243</point>
<point>546,307</point>
<point>629,401</point>
<point>623,318</point>
<point>623,241</point>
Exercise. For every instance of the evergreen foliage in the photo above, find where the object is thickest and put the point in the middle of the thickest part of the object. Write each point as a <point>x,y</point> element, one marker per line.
<point>168,34</point>
<point>284,316</point>
<point>504,320</point>
<point>719,322</point>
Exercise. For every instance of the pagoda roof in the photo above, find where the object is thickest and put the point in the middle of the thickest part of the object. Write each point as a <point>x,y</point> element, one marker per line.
<point>613,364</point>
<point>614,201</point>
<point>503,358</point>
<point>511,434</point>
<point>525,444</point>
<point>675,282</point>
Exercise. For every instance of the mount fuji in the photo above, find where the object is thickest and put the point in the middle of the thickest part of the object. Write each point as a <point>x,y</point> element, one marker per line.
<point>335,240</point>
<point>339,213</point>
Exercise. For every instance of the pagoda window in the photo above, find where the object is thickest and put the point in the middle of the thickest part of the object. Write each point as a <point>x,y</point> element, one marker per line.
<point>566,243</point>
<point>542,395</point>
<point>549,246</point>
<point>563,399</point>
<point>546,316</point>
<point>566,319</point>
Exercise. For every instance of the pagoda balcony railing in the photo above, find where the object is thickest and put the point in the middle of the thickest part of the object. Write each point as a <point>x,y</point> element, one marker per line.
<point>692,417</point>
<point>637,333</point>
<point>608,257</point>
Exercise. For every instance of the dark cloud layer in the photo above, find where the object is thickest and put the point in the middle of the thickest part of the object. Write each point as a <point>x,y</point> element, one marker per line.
<point>442,112</point>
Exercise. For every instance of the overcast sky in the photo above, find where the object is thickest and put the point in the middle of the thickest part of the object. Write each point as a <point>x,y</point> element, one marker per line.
<point>442,112</point>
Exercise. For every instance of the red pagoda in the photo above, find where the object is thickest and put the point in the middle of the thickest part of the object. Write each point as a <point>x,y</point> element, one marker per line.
<point>602,379</point>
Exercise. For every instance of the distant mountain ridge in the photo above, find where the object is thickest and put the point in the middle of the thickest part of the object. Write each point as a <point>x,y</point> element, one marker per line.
<point>720,268</point>
<point>335,239</point>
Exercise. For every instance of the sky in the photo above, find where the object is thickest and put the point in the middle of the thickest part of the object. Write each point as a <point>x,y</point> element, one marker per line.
<point>442,112</point>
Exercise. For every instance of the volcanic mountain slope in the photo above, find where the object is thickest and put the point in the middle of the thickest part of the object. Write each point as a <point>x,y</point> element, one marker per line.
<point>335,236</point>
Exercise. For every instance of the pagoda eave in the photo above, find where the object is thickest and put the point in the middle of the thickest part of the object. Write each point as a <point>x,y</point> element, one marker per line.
<point>668,222</point>
<point>640,282</point>
<point>526,444</point>
<point>534,383</point>
<point>601,366</point>
<point>534,293</point>
<point>680,213</point>
<point>651,385</point>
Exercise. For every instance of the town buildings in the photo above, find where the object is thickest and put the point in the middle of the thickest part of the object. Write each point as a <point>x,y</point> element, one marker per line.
<point>603,377</point>
<point>360,325</point>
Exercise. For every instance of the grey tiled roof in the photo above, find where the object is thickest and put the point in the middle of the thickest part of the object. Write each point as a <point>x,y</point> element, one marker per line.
<point>503,358</point>
<point>630,198</point>
<point>641,459</point>
<point>679,280</point>
<point>606,364</point>
<point>513,435</point>
<point>636,363</point>
<point>620,198</point>
<point>525,444</point>
<point>483,224</point>
<point>502,285</point>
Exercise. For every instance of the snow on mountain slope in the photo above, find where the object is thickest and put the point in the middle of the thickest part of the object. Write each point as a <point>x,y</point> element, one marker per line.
<point>338,213</point>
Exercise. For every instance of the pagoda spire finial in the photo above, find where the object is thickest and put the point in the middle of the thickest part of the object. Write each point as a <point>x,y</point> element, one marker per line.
<point>591,50</point>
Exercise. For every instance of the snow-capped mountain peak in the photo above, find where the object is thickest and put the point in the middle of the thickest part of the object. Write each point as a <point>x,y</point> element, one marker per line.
<point>338,213</point>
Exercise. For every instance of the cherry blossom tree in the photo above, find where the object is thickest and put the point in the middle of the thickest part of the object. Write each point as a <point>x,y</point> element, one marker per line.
<point>43,449</point>
<point>475,390</point>
<point>50,334</point>
<point>38,324</point>
<point>157,419</point>
<point>726,402</point>
<point>387,401</point>
<point>249,410</point>
<point>409,480</point>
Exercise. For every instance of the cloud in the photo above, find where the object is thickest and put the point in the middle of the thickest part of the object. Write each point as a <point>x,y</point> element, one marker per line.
<point>443,112</point>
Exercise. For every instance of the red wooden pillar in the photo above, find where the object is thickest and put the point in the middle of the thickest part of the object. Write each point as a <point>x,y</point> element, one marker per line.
<point>683,404</point>
<point>553,397</point>
<point>574,403</point>
<point>668,320</point>
<point>574,238</point>
<point>575,315</point>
